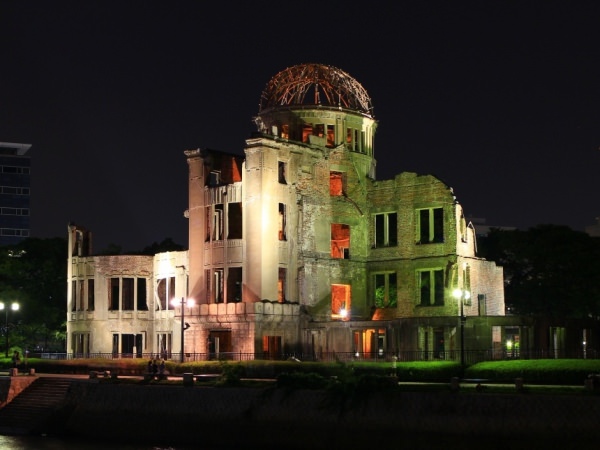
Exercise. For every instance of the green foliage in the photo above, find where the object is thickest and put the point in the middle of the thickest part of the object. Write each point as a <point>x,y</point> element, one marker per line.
<point>111,250</point>
<point>167,245</point>
<point>36,279</point>
<point>380,300</point>
<point>34,274</point>
<point>343,380</point>
<point>231,374</point>
<point>536,371</point>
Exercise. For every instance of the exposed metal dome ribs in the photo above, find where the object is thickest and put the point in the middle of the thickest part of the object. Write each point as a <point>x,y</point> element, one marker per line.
<point>315,84</point>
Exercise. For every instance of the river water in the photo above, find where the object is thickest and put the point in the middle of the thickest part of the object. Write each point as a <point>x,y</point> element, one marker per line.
<point>414,442</point>
<point>55,443</point>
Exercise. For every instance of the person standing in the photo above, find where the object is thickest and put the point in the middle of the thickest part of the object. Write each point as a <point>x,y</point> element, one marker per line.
<point>161,370</point>
<point>16,359</point>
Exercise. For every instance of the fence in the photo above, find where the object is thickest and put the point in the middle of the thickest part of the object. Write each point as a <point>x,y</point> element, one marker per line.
<point>470,356</point>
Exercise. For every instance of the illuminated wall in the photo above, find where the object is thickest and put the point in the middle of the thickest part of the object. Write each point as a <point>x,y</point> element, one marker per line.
<point>296,247</point>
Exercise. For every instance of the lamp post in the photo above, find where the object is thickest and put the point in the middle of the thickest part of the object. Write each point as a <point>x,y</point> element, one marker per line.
<point>184,326</point>
<point>15,307</point>
<point>461,295</point>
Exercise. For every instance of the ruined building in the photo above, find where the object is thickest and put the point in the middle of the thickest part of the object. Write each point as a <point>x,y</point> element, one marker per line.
<point>296,248</point>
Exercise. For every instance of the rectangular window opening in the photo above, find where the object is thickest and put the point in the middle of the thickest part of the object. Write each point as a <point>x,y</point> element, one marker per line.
<point>128,299</point>
<point>214,178</point>
<point>430,225</point>
<point>218,223</point>
<point>218,286</point>
<point>341,301</point>
<point>340,241</point>
<point>336,183</point>
<point>141,303</point>
<point>234,285</point>
<point>113,294</point>
<point>234,220</point>
<point>282,222</point>
<point>281,172</point>
<point>386,230</point>
<point>431,284</point>
<point>330,136</point>
<point>281,280</point>
<point>386,293</point>
<point>91,295</point>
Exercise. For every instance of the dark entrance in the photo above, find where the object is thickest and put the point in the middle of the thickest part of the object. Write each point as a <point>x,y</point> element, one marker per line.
<point>219,344</point>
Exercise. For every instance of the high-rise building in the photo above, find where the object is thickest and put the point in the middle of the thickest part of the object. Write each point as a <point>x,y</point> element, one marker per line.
<point>15,166</point>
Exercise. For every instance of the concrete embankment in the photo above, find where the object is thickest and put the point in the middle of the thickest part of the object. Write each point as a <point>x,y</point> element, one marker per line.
<point>317,419</point>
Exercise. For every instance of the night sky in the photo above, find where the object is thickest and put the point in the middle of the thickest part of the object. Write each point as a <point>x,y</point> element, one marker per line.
<point>500,100</point>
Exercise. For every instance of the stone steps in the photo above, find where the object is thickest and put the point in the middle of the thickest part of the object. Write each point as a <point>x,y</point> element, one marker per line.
<point>31,411</point>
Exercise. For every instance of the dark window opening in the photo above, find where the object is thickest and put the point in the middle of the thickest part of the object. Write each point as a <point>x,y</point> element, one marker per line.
<point>141,302</point>
<point>91,296</point>
<point>319,130</point>
<point>113,294</point>
<point>281,172</point>
<point>272,347</point>
<point>432,287</point>
<point>73,295</point>
<point>127,297</point>
<point>234,220</point>
<point>80,295</point>
<point>131,345</point>
<point>214,178</point>
<point>481,304</point>
<point>115,345</point>
<point>234,285</point>
<point>386,230</point>
<point>431,226</point>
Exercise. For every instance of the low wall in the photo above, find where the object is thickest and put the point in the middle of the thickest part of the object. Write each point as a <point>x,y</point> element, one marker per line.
<point>11,386</point>
<point>318,419</point>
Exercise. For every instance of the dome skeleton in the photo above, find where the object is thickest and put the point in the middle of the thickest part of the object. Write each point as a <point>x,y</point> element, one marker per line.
<point>330,87</point>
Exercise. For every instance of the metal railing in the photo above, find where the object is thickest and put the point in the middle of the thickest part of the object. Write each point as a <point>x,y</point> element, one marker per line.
<point>470,356</point>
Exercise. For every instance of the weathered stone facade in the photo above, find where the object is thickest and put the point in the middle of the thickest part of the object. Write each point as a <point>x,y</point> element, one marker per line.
<point>296,248</point>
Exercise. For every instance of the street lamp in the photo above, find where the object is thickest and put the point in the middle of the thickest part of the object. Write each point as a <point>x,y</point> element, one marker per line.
<point>184,326</point>
<point>461,295</point>
<point>15,307</point>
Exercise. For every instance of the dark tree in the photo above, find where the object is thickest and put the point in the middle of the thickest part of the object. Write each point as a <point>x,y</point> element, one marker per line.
<point>34,274</point>
<point>167,245</point>
<point>549,270</point>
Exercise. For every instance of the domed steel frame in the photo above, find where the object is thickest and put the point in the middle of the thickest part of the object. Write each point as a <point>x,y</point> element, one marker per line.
<point>328,86</point>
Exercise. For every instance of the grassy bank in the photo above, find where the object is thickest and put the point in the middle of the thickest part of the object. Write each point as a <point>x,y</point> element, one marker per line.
<point>541,371</point>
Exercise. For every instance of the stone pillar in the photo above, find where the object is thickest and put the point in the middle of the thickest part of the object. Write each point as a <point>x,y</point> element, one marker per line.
<point>454,383</point>
<point>519,384</point>
<point>188,379</point>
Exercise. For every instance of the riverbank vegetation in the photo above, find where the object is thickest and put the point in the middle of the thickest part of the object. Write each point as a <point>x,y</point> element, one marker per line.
<point>294,372</point>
